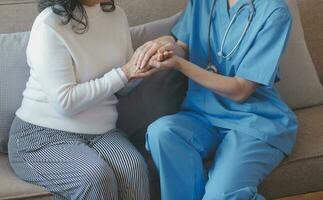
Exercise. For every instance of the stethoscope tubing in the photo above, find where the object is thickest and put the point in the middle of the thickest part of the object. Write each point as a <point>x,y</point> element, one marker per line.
<point>235,48</point>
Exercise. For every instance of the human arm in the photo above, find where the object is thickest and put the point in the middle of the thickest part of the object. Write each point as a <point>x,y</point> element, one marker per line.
<point>259,66</point>
<point>54,68</point>
<point>235,88</point>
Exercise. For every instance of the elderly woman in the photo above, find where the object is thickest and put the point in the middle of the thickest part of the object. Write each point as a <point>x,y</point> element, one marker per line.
<point>64,136</point>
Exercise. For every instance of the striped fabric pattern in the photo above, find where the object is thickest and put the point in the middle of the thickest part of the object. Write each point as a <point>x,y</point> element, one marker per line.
<point>78,166</point>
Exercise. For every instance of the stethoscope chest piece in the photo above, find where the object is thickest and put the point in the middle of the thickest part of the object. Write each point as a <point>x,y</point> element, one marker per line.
<point>212,68</point>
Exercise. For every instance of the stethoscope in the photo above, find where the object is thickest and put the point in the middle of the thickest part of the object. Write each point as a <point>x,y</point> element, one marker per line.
<point>221,53</point>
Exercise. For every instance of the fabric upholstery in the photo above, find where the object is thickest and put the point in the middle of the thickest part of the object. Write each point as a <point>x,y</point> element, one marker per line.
<point>303,89</point>
<point>13,77</point>
<point>302,172</point>
<point>23,12</point>
<point>152,30</point>
<point>142,11</point>
<point>14,188</point>
<point>312,20</point>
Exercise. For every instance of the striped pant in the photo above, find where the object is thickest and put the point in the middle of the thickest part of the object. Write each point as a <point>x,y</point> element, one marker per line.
<point>78,166</point>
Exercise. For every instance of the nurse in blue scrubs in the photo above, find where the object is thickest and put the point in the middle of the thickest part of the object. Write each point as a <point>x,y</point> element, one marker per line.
<point>233,114</point>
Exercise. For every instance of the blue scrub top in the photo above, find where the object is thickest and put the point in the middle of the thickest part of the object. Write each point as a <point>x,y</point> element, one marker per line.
<point>263,115</point>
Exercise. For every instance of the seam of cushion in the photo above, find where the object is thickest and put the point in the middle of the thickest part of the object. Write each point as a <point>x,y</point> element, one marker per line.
<point>15,2</point>
<point>38,194</point>
<point>307,107</point>
<point>315,156</point>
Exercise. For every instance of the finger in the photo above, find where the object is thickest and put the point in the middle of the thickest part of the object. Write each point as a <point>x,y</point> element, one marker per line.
<point>145,74</point>
<point>137,52</point>
<point>143,53</point>
<point>135,57</point>
<point>145,69</point>
<point>152,51</point>
<point>168,54</point>
<point>160,57</point>
<point>163,64</point>
<point>152,59</point>
<point>167,47</point>
<point>156,64</point>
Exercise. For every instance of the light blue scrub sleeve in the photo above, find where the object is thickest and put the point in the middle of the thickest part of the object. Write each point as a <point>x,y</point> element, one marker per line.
<point>183,27</point>
<point>261,62</point>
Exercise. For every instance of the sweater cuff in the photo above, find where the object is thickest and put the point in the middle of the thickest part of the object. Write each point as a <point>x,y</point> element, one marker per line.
<point>115,80</point>
<point>122,75</point>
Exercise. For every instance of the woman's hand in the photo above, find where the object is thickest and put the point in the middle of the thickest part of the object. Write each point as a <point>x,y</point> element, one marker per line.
<point>149,49</point>
<point>130,68</point>
<point>155,64</point>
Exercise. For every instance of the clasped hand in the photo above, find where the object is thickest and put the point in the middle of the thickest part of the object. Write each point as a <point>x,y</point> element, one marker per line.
<point>151,57</point>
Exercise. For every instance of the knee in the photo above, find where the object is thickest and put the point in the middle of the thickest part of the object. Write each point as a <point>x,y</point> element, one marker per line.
<point>223,192</point>
<point>97,173</point>
<point>160,132</point>
<point>134,167</point>
<point>96,181</point>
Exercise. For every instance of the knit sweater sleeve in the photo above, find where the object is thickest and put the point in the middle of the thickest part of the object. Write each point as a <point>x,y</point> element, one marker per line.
<point>53,65</point>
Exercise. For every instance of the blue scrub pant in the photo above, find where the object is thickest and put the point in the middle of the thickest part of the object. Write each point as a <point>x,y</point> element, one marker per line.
<point>179,143</point>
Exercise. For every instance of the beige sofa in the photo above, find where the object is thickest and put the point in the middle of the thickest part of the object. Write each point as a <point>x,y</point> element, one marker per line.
<point>301,173</point>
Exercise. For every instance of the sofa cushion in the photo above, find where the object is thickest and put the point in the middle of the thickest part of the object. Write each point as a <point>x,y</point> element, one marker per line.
<point>18,15</point>
<point>312,19</point>
<point>13,76</point>
<point>14,188</point>
<point>299,86</point>
<point>302,172</point>
<point>152,30</point>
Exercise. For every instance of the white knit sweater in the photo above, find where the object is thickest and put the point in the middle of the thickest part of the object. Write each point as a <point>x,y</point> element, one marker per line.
<point>73,77</point>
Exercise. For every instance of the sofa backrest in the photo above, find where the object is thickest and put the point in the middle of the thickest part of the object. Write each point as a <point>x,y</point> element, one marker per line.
<point>312,21</point>
<point>18,15</point>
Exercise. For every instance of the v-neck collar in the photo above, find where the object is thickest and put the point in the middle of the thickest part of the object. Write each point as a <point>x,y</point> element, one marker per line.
<point>231,11</point>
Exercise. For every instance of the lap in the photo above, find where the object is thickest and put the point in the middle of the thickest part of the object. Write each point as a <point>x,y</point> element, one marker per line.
<point>71,164</point>
<point>117,150</point>
<point>189,127</point>
<point>242,161</point>
<point>51,157</point>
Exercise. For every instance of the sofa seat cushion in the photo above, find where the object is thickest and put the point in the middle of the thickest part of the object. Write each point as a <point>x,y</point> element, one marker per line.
<point>310,138</point>
<point>302,171</point>
<point>14,188</point>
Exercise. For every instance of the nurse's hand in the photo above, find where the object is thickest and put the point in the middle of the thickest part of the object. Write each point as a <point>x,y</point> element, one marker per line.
<point>149,49</point>
<point>155,66</point>
<point>165,52</point>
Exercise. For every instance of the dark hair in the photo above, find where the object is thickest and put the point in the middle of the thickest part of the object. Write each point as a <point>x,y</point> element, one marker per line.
<point>66,8</point>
